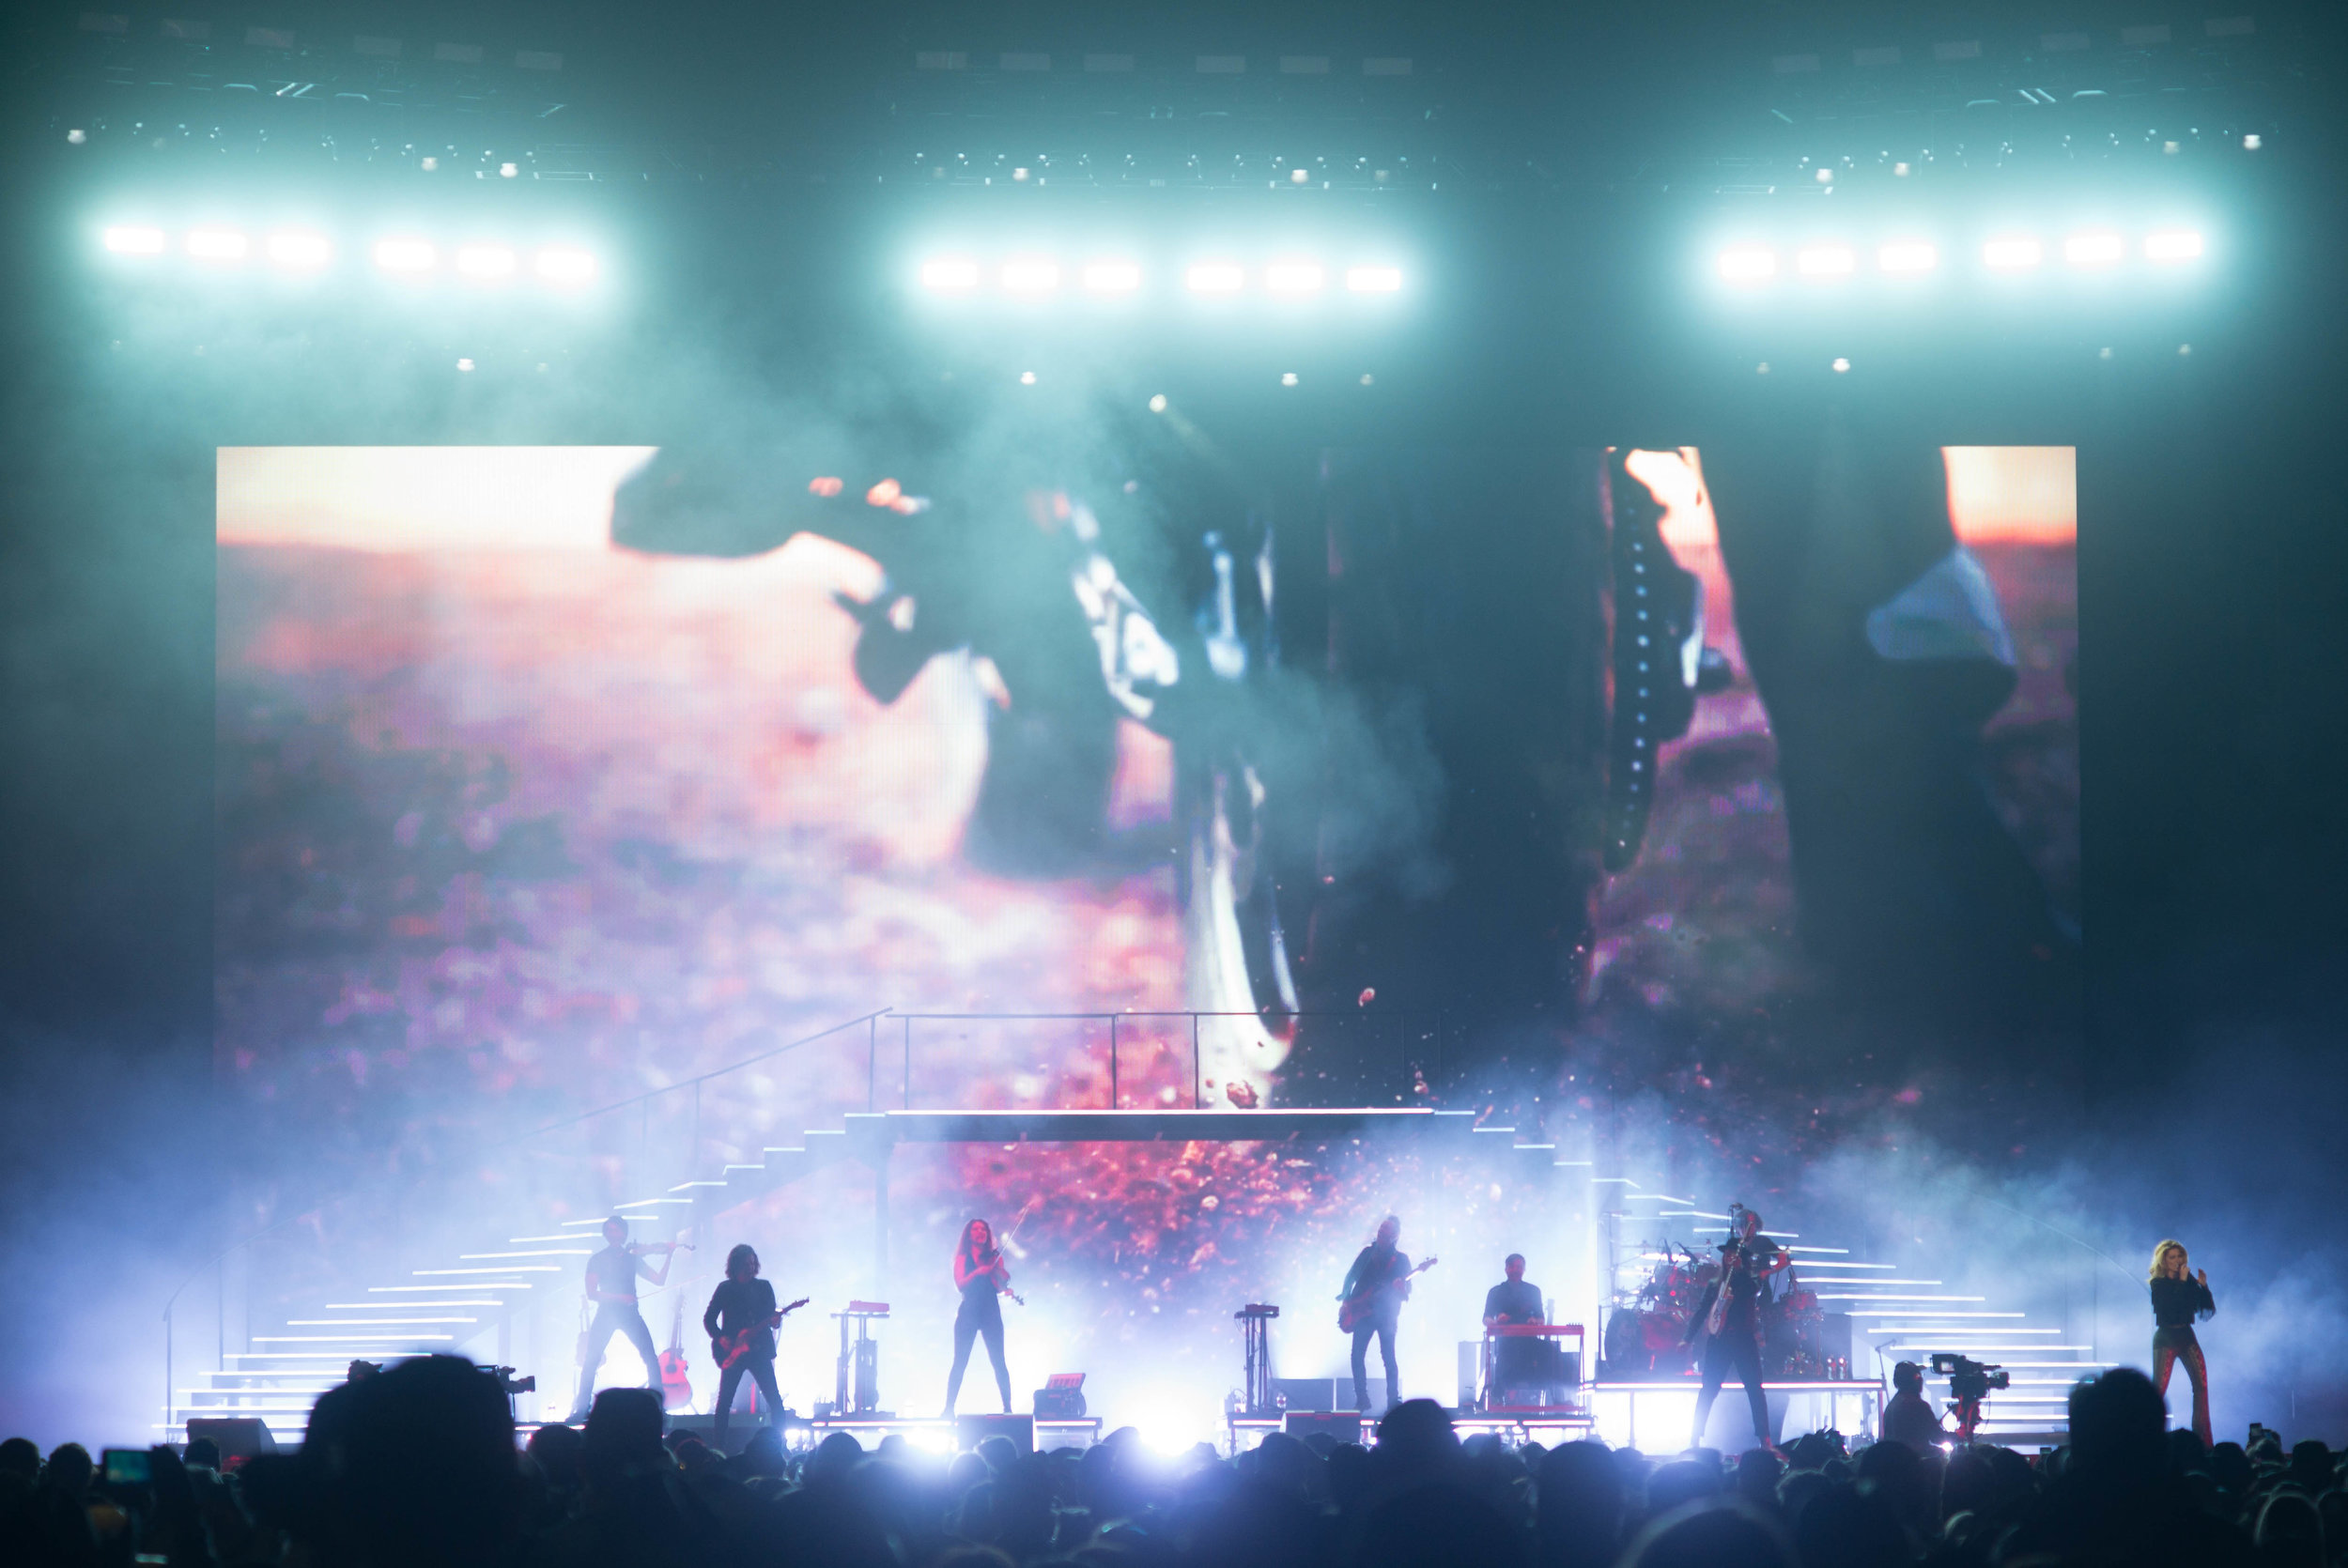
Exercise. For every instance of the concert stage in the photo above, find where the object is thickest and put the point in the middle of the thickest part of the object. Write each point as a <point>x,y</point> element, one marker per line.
<point>1655,1417</point>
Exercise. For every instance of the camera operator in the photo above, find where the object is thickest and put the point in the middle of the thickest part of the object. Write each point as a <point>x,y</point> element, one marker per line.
<point>1908,1417</point>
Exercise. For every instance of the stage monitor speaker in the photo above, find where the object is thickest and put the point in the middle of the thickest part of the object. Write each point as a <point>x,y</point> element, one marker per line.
<point>1305,1394</point>
<point>238,1437</point>
<point>1344,1426</point>
<point>969,1431</point>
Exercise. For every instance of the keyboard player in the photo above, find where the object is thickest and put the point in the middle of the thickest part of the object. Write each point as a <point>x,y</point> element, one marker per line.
<point>1516,1362</point>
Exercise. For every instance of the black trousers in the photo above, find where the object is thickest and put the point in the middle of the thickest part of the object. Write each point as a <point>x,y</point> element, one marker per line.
<point>971,1323</point>
<point>761,1372</point>
<point>1737,1354</point>
<point>614,1317</point>
<point>1382,1323</point>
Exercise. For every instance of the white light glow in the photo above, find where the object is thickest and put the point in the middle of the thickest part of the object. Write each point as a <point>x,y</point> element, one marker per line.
<point>133,240</point>
<point>486,262</point>
<point>1111,277</point>
<point>1215,277</point>
<point>2092,250</point>
<point>217,244</point>
<point>1294,277</point>
<point>566,264</point>
<point>1030,275</point>
<point>1374,280</point>
<point>1746,264</point>
<point>1826,261</point>
<point>2013,255</point>
<point>2174,245</point>
<point>300,250</point>
<point>407,255</point>
<point>1908,257</point>
<point>950,272</point>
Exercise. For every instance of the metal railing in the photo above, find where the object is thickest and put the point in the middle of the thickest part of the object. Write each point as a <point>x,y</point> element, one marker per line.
<point>1417,1047</point>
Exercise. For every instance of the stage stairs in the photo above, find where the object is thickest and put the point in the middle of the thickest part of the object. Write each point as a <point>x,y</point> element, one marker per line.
<point>466,1302</point>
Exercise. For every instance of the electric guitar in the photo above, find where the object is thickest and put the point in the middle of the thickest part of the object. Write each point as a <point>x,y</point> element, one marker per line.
<point>1363,1301</point>
<point>730,1349</point>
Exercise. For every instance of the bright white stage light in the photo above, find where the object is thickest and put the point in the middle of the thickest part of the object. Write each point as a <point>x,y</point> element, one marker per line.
<point>407,255</point>
<point>1826,261</point>
<point>486,262</point>
<point>2014,253</point>
<point>950,272</point>
<point>133,240</point>
<point>217,244</point>
<point>1908,257</point>
<point>932,1439</point>
<point>1374,280</point>
<point>300,250</point>
<point>1746,264</point>
<point>2172,245</point>
<point>1111,277</point>
<point>1294,277</point>
<point>2092,250</point>
<point>1030,275</point>
<point>566,264</point>
<point>1215,277</point>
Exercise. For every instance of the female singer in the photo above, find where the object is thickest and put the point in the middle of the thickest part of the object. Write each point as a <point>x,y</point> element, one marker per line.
<point>980,1274</point>
<point>2179,1297</point>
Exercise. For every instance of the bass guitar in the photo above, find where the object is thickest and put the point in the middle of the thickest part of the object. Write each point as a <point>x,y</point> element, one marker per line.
<point>1363,1301</point>
<point>728,1349</point>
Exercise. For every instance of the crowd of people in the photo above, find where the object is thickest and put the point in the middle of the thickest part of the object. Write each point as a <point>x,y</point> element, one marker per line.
<point>419,1465</point>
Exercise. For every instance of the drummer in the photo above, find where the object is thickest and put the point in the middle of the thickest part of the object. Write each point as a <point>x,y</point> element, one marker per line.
<point>1516,1359</point>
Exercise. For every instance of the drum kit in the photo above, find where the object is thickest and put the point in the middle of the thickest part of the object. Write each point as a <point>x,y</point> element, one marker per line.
<point>1647,1333</point>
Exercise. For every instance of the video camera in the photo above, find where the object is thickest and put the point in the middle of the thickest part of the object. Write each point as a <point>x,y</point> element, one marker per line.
<point>1969,1380</point>
<point>510,1385</point>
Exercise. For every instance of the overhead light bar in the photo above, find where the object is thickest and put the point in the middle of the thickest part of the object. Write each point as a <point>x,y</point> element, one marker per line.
<point>487,263</point>
<point>1294,277</point>
<point>1030,275</point>
<point>133,240</point>
<point>2012,253</point>
<point>212,244</point>
<point>1748,264</point>
<point>1111,277</point>
<point>295,249</point>
<point>407,255</point>
<point>2093,250</point>
<point>945,273</point>
<point>1215,277</point>
<point>1826,261</point>
<point>1906,257</point>
<point>2172,245</point>
<point>566,264</point>
<point>1373,280</point>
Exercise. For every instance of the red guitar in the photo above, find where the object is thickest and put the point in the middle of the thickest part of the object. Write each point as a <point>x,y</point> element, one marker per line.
<point>1359,1305</point>
<point>676,1383</point>
<point>730,1349</point>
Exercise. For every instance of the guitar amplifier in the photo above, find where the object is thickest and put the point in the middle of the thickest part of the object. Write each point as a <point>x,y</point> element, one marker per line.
<point>970,1431</point>
<point>1305,1394</point>
<point>1061,1397</point>
<point>238,1437</point>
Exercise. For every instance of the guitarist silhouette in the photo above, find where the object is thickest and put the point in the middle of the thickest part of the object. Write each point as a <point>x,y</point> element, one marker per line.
<point>741,1319</point>
<point>1375,1289</point>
